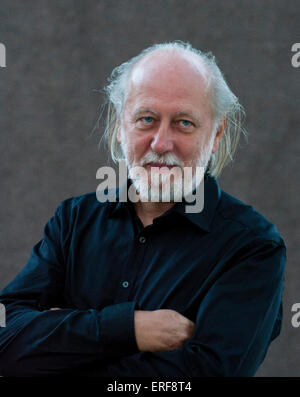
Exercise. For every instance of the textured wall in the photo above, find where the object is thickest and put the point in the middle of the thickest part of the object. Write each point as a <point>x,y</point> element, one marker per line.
<point>60,52</point>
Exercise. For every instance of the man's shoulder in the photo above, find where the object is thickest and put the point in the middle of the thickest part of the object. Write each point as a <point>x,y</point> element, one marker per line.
<point>246,217</point>
<point>87,203</point>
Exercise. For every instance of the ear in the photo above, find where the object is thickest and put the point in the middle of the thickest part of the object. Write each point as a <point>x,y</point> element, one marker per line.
<point>219,134</point>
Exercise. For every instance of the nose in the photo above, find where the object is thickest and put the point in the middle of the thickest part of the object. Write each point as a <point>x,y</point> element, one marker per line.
<point>162,140</point>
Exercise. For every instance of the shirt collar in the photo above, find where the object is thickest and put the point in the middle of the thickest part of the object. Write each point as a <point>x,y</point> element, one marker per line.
<point>212,194</point>
<point>203,219</point>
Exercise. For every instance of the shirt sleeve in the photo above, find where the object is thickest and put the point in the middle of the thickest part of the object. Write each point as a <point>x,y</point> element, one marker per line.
<point>237,320</point>
<point>37,341</point>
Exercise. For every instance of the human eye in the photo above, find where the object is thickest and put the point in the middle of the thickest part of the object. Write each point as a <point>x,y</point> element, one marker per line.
<point>185,123</point>
<point>145,122</point>
<point>147,119</point>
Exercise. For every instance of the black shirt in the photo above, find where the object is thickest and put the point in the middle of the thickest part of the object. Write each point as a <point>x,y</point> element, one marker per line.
<point>223,268</point>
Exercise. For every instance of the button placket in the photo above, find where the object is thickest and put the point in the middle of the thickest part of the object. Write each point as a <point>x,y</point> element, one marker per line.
<point>128,278</point>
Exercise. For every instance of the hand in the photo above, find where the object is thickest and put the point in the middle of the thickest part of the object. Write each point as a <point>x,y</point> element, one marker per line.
<point>161,330</point>
<point>55,308</point>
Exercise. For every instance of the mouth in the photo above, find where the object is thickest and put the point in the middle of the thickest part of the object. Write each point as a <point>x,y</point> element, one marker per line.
<point>159,165</point>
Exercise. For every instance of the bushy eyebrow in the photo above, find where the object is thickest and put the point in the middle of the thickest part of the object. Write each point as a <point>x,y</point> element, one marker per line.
<point>192,115</point>
<point>143,110</point>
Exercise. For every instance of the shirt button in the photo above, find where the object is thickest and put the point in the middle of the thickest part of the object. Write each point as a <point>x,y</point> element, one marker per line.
<point>125,284</point>
<point>142,239</point>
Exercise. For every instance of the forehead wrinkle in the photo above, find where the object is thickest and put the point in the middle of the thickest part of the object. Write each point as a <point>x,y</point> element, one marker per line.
<point>137,91</point>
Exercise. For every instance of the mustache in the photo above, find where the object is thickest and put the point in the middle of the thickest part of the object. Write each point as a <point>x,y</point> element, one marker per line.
<point>167,158</point>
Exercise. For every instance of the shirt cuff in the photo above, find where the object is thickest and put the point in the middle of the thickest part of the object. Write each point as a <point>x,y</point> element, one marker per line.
<point>118,332</point>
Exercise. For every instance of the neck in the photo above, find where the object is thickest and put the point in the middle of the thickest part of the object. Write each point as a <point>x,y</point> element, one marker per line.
<point>147,211</point>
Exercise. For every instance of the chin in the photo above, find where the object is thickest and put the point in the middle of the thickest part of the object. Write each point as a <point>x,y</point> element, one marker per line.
<point>162,192</point>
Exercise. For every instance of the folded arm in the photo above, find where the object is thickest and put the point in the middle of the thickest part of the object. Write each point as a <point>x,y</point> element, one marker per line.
<point>38,341</point>
<point>236,322</point>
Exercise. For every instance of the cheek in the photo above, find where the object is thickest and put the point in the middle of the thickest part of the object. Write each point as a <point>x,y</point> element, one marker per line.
<point>137,146</point>
<point>141,145</point>
<point>191,148</point>
<point>188,147</point>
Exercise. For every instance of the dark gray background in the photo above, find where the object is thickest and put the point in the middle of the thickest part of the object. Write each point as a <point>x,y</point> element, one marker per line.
<point>60,52</point>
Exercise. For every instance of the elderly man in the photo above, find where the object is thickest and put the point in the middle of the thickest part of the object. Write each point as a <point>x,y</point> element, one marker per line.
<point>146,288</point>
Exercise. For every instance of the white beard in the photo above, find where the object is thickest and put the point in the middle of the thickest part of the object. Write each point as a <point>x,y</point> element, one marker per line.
<point>157,185</point>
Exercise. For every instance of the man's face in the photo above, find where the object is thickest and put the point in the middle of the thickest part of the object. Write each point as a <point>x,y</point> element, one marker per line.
<point>167,119</point>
